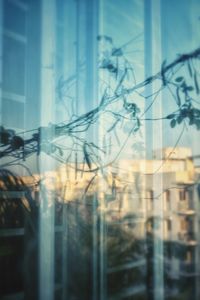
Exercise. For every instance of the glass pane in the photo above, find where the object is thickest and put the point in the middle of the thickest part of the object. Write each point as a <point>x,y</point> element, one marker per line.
<point>17,110</point>
<point>14,18</point>
<point>14,59</point>
<point>99,148</point>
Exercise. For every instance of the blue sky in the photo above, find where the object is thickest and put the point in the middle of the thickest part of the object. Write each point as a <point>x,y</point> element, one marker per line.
<point>178,23</point>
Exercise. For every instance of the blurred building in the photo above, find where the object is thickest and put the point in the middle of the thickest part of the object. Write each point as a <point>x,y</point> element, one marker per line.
<point>134,206</point>
<point>127,205</point>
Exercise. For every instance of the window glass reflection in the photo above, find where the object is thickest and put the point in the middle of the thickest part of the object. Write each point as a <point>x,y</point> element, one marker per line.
<point>99,148</point>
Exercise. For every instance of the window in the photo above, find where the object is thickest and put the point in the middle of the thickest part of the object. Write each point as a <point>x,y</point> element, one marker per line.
<point>99,117</point>
<point>182,195</point>
<point>184,224</point>
<point>168,196</point>
<point>169,225</point>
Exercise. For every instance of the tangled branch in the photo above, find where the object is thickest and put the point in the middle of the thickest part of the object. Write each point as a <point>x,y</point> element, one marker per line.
<point>117,104</point>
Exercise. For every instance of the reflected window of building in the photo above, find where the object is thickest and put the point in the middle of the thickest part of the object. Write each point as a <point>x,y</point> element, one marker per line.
<point>182,195</point>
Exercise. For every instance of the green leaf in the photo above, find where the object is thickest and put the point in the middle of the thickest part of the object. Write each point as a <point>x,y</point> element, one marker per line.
<point>191,120</point>
<point>190,88</point>
<point>180,119</point>
<point>179,79</point>
<point>173,123</point>
<point>170,116</point>
<point>117,52</point>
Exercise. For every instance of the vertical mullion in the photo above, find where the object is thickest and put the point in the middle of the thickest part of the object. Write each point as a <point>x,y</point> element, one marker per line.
<point>101,195</point>
<point>148,68</point>
<point>153,51</point>
<point>78,10</point>
<point>101,252</point>
<point>47,211</point>
<point>91,100</point>
<point>65,237</point>
<point>157,144</point>
<point>149,131</point>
